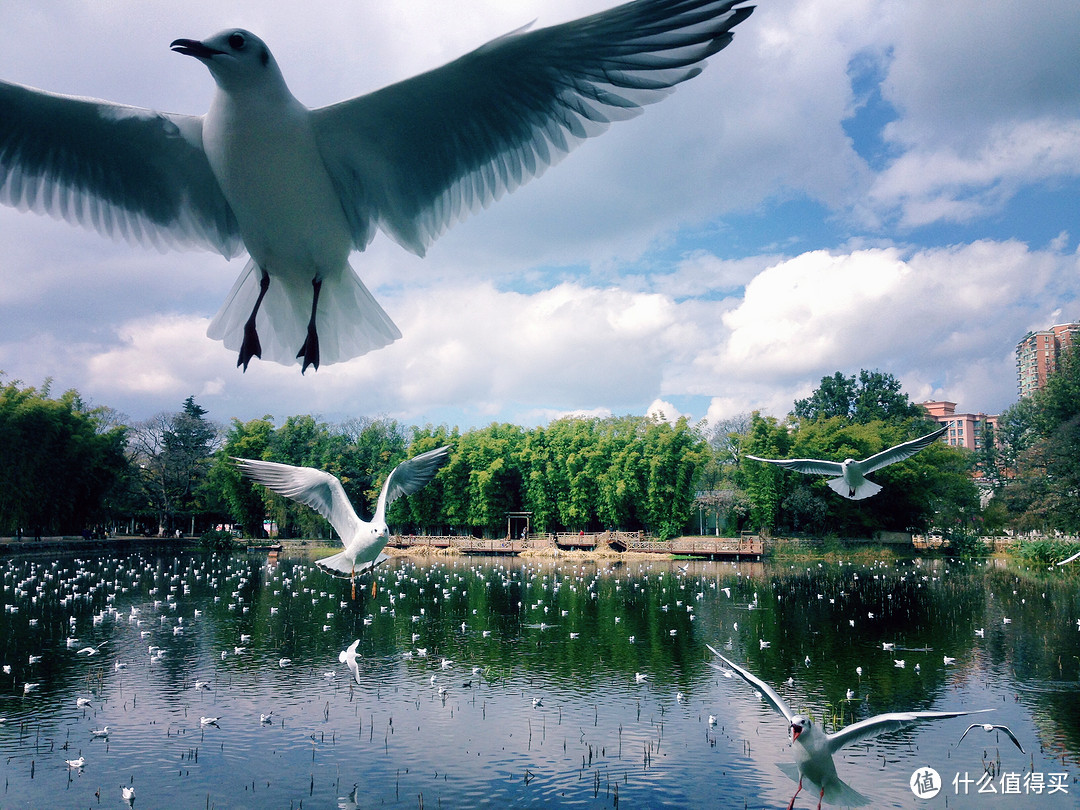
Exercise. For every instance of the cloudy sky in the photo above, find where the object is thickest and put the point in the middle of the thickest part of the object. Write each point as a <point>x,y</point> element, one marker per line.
<point>850,184</point>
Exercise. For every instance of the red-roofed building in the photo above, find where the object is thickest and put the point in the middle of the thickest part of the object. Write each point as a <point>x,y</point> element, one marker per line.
<point>965,429</point>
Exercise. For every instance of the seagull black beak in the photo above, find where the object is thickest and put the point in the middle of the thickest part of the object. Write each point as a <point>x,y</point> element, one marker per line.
<point>192,47</point>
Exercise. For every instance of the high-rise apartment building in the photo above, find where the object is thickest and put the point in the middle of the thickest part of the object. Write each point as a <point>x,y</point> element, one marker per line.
<point>1037,355</point>
<point>965,429</point>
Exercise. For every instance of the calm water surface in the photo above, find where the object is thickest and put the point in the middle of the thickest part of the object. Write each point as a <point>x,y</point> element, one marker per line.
<point>455,651</point>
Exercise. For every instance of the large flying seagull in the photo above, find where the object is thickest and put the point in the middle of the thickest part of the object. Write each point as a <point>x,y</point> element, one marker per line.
<point>299,189</point>
<point>850,481</point>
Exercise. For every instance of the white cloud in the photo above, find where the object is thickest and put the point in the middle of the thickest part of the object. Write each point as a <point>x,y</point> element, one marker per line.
<point>932,185</point>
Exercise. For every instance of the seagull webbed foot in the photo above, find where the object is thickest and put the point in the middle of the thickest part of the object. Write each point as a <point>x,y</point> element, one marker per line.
<point>251,347</point>
<point>310,350</point>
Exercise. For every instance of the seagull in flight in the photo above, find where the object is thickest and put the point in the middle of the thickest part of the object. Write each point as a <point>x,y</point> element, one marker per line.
<point>849,481</point>
<point>988,727</point>
<point>815,749</point>
<point>299,189</point>
<point>348,657</point>
<point>363,540</point>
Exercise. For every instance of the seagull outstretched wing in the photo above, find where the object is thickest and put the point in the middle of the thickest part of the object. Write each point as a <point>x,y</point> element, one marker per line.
<point>418,155</point>
<point>411,476</point>
<point>124,171</point>
<point>900,452</point>
<point>812,466</point>
<point>884,723</point>
<point>315,488</point>
<point>767,692</point>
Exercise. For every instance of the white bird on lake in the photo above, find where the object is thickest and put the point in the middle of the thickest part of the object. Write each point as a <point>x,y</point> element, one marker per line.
<point>850,481</point>
<point>76,763</point>
<point>83,703</point>
<point>815,749</point>
<point>100,732</point>
<point>363,540</point>
<point>301,188</point>
<point>348,657</point>
<point>127,794</point>
<point>988,727</point>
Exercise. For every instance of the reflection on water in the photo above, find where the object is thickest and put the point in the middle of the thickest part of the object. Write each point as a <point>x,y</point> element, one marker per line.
<point>511,682</point>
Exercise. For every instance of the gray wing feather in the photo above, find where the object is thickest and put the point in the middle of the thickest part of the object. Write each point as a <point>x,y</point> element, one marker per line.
<point>124,171</point>
<point>884,723</point>
<point>767,692</point>
<point>314,488</point>
<point>811,466</point>
<point>417,156</point>
<point>412,476</point>
<point>900,452</point>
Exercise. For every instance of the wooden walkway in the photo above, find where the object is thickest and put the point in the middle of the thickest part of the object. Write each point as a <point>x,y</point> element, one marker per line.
<point>747,547</point>
<point>466,545</point>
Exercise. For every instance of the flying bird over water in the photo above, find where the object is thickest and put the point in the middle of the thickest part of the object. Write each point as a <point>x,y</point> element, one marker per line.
<point>988,727</point>
<point>814,749</point>
<point>363,540</point>
<point>299,189</point>
<point>348,657</point>
<point>850,481</point>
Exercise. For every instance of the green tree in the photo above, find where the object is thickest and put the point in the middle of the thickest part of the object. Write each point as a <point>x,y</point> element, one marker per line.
<point>763,483</point>
<point>872,396</point>
<point>1042,435</point>
<point>675,457</point>
<point>174,454</point>
<point>245,503</point>
<point>59,461</point>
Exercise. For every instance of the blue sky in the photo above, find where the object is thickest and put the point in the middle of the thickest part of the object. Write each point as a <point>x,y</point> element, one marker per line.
<point>850,184</point>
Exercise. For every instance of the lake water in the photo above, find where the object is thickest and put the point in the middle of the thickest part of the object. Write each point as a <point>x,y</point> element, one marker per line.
<point>421,733</point>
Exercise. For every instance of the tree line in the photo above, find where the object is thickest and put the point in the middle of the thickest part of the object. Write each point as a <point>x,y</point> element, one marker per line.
<point>66,467</point>
<point>1033,459</point>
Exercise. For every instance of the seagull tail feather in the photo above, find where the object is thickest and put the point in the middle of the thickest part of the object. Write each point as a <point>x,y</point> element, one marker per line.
<point>350,321</point>
<point>863,490</point>
<point>337,562</point>
<point>837,792</point>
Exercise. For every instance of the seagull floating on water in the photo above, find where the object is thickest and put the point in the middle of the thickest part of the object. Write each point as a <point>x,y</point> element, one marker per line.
<point>850,481</point>
<point>363,540</point>
<point>815,749</point>
<point>300,188</point>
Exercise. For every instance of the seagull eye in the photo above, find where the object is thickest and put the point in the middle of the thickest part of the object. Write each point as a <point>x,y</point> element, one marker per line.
<point>237,42</point>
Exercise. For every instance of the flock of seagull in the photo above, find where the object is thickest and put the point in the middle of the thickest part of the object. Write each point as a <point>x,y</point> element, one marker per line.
<point>120,606</point>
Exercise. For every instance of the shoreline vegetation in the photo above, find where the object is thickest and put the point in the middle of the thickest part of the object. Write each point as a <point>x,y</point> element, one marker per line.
<point>829,549</point>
